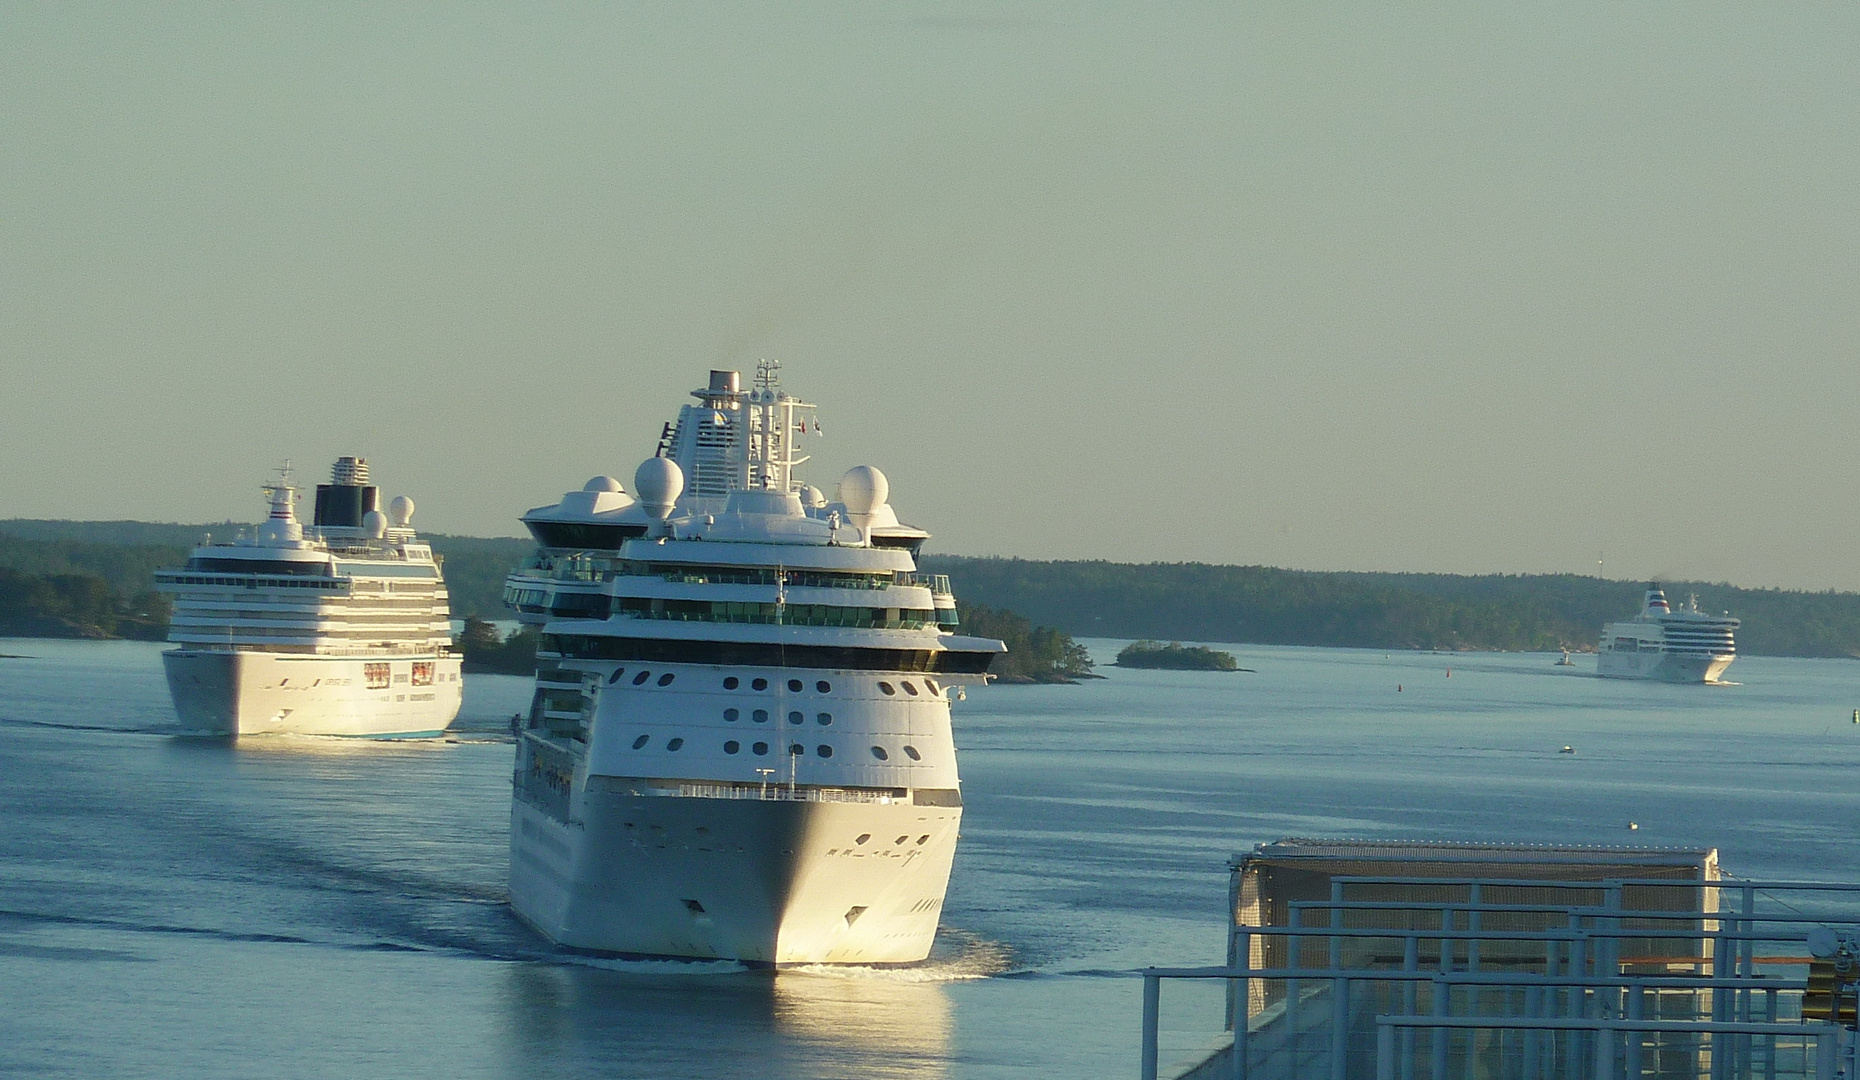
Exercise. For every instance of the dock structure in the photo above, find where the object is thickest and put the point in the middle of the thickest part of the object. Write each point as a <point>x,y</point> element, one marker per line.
<point>1351,960</point>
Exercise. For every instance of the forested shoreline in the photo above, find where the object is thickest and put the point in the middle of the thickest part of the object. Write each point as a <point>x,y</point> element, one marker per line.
<point>93,579</point>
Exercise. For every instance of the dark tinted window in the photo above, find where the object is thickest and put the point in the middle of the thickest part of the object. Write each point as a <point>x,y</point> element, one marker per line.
<point>794,686</point>
<point>666,679</point>
<point>732,746</point>
<point>730,683</point>
<point>824,719</point>
<point>823,687</point>
<point>760,716</point>
<point>731,715</point>
<point>795,717</point>
<point>760,748</point>
<point>615,677</point>
<point>911,752</point>
<point>824,750</point>
<point>641,678</point>
<point>675,744</point>
<point>759,684</point>
<point>640,743</point>
<point>879,753</point>
<point>887,689</point>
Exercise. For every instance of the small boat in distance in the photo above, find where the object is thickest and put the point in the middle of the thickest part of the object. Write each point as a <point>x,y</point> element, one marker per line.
<point>346,631</point>
<point>1684,646</point>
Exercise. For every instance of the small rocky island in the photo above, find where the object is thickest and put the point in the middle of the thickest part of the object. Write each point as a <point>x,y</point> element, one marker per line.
<point>1175,656</point>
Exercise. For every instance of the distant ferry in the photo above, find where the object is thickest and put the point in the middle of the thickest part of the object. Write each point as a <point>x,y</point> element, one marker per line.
<point>1672,646</point>
<point>344,632</point>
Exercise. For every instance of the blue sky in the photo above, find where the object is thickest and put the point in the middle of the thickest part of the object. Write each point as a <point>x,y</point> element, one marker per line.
<point>1458,288</point>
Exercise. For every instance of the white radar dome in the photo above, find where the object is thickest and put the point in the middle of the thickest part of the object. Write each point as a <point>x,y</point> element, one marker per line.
<point>863,490</point>
<point>374,523</point>
<point>811,496</point>
<point>602,483</point>
<point>400,511</point>
<point>658,482</point>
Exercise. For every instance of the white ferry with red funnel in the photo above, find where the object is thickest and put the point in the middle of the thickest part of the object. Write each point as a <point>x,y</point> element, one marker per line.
<point>342,631</point>
<point>739,746</point>
<point>1686,646</point>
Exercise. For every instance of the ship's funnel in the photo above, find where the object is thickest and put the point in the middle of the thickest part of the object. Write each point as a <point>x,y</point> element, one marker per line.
<point>725,382</point>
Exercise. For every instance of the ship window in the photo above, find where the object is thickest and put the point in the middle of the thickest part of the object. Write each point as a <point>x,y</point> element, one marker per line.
<point>730,715</point>
<point>863,837</point>
<point>795,717</point>
<point>899,842</point>
<point>666,679</point>
<point>794,686</point>
<point>911,752</point>
<point>732,746</point>
<point>760,716</point>
<point>759,684</point>
<point>675,744</point>
<point>615,677</point>
<point>823,687</point>
<point>934,688</point>
<point>824,750</point>
<point>796,748</point>
<point>730,683</point>
<point>824,719</point>
<point>641,677</point>
<point>879,753</point>
<point>924,839</point>
<point>640,743</point>
<point>760,748</point>
<point>909,689</point>
<point>887,689</point>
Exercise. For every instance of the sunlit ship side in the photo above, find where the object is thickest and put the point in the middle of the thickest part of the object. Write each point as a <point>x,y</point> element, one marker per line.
<point>345,631</point>
<point>1686,646</point>
<point>739,746</point>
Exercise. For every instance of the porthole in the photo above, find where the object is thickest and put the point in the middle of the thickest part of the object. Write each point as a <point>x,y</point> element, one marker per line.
<point>760,716</point>
<point>824,687</point>
<point>615,677</point>
<point>887,689</point>
<point>824,719</point>
<point>666,679</point>
<point>934,688</point>
<point>641,677</point>
<point>640,743</point>
<point>879,753</point>
<point>824,750</point>
<point>863,837</point>
<point>909,689</point>
<point>675,744</point>
<point>796,748</point>
<point>795,717</point>
<point>911,752</point>
<point>924,839</point>
<point>899,842</point>
<point>731,715</point>
<point>759,684</point>
<point>732,746</point>
<point>731,683</point>
<point>760,748</point>
<point>794,686</point>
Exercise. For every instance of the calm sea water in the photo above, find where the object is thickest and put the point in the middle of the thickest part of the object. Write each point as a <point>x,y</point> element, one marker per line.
<point>329,908</point>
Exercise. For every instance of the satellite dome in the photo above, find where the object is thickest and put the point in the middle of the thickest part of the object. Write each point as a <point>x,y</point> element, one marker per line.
<point>812,497</point>
<point>602,483</point>
<point>659,481</point>
<point>400,511</point>
<point>374,523</point>
<point>863,490</point>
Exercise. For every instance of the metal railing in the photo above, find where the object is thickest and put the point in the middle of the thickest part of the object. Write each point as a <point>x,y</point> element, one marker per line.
<point>1588,990</point>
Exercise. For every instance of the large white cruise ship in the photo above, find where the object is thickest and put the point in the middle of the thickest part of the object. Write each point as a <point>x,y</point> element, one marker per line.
<point>739,746</point>
<point>342,632</point>
<point>1672,646</point>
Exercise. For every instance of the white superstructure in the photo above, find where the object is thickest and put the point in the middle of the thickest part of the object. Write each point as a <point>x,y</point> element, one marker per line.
<point>345,631</point>
<point>739,746</point>
<point>1672,646</point>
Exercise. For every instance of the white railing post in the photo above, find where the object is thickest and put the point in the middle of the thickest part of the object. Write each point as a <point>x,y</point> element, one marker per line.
<point>1152,1009</point>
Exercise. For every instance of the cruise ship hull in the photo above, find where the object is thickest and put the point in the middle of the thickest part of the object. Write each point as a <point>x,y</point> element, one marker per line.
<point>1661,666</point>
<point>252,693</point>
<point>763,881</point>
